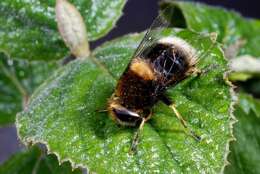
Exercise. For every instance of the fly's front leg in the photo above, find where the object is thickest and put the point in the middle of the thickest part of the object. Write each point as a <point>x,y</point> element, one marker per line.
<point>101,110</point>
<point>136,137</point>
<point>198,72</point>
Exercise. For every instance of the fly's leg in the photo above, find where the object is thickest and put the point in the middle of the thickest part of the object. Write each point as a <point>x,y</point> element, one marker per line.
<point>137,134</point>
<point>136,137</point>
<point>101,110</point>
<point>189,131</point>
<point>198,72</point>
<point>184,124</point>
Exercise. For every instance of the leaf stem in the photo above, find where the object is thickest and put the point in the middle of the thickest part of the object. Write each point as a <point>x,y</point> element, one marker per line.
<point>100,65</point>
<point>16,82</point>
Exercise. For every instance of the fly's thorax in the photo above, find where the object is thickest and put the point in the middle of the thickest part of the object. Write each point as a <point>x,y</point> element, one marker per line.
<point>143,69</point>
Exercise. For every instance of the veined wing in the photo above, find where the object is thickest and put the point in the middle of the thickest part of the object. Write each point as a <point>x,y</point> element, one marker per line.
<point>153,34</point>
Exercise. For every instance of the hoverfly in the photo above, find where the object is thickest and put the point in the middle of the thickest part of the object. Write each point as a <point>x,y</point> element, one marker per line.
<point>157,64</point>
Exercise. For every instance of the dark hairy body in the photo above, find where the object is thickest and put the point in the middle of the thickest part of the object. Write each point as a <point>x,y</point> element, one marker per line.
<point>145,80</point>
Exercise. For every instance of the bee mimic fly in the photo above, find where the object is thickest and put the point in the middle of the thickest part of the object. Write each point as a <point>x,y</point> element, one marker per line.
<point>158,63</point>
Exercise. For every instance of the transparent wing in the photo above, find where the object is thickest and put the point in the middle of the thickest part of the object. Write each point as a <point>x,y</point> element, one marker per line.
<point>158,29</point>
<point>153,34</point>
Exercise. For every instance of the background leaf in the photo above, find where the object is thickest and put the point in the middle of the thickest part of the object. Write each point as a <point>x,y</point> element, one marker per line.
<point>34,161</point>
<point>244,68</point>
<point>229,25</point>
<point>18,79</point>
<point>244,156</point>
<point>28,29</point>
<point>62,114</point>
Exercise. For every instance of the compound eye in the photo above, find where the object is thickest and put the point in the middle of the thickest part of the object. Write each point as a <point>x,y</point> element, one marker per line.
<point>127,117</point>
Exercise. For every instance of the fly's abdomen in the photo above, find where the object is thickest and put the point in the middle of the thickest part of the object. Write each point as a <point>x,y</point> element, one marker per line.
<point>170,65</point>
<point>135,92</point>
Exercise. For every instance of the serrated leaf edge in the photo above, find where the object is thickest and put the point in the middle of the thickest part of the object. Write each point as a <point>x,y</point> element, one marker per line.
<point>233,119</point>
<point>30,141</point>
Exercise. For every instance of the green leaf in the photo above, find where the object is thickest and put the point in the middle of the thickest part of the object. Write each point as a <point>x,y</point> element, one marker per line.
<point>63,114</point>
<point>18,79</point>
<point>28,29</point>
<point>34,161</point>
<point>229,25</point>
<point>100,15</point>
<point>244,156</point>
<point>247,103</point>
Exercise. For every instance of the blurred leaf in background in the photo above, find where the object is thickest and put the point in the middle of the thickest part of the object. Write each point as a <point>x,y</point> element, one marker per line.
<point>34,161</point>
<point>28,29</point>
<point>244,157</point>
<point>231,28</point>
<point>18,79</point>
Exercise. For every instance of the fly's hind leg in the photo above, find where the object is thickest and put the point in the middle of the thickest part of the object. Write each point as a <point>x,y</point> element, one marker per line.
<point>189,131</point>
<point>184,124</point>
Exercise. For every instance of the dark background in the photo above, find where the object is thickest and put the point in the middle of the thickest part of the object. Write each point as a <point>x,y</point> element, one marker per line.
<point>138,15</point>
